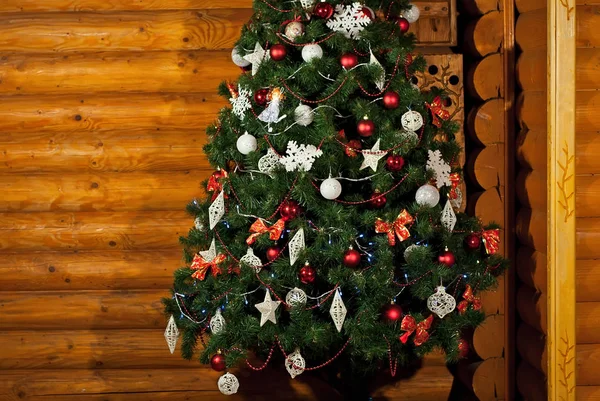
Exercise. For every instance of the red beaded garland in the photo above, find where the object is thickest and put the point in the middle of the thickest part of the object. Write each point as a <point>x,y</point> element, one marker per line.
<point>378,201</point>
<point>278,52</point>
<point>403,24</point>
<point>349,60</point>
<point>273,252</point>
<point>217,362</point>
<point>473,241</point>
<point>391,100</point>
<point>289,210</point>
<point>392,313</point>
<point>261,96</point>
<point>447,258</point>
<point>394,163</point>
<point>323,10</point>
<point>351,258</point>
<point>365,128</point>
<point>307,274</point>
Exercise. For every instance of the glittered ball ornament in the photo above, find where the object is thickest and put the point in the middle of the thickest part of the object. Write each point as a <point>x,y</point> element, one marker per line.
<point>365,127</point>
<point>349,60</point>
<point>392,313</point>
<point>246,144</point>
<point>377,200</point>
<point>289,210</point>
<point>394,163</point>
<point>412,14</point>
<point>472,241</point>
<point>261,97</point>
<point>237,58</point>
<point>447,258</point>
<point>278,52</point>
<point>307,274</point>
<point>293,30</point>
<point>323,10</point>
<point>312,52</point>
<point>391,100</point>
<point>331,189</point>
<point>217,362</point>
<point>351,258</point>
<point>273,252</point>
<point>403,24</point>
<point>428,196</point>
<point>304,115</point>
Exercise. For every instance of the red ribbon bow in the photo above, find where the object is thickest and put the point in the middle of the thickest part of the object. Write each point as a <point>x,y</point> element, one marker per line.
<point>455,180</point>
<point>437,111</point>
<point>259,227</point>
<point>214,184</point>
<point>409,324</point>
<point>491,240</point>
<point>202,266</point>
<point>468,299</point>
<point>395,229</point>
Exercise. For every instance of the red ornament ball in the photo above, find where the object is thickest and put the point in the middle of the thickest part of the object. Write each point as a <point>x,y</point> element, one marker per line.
<point>349,60</point>
<point>289,210</point>
<point>365,128</point>
<point>217,362</point>
<point>394,163</point>
<point>323,10</point>
<point>307,274</point>
<point>392,313</point>
<point>351,258</point>
<point>278,52</point>
<point>367,12</point>
<point>473,241</point>
<point>377,201</point>
<point>273,252</point>
<point>391,100</point>
<point>353,146</point>
<point>261,96</point>
<point>447,258</point>
<point>463,348</point>
<point>403,24</point>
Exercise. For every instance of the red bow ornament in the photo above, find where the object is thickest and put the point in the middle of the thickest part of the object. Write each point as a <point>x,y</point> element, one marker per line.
<point>395,229</point>
<point>202,266</point>
<point>214,184</point>
<point>468,299</point>
<point>437,111</point>
<point>409,324</point>
<point>259,227</point>
<point>491,240</point>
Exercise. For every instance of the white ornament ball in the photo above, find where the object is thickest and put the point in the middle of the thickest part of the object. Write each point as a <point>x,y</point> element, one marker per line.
<point>228,384</point>
<point>412,121</point>
<point>408,251</point>
<point>246,144</point>
<point>296,298</point>
<point>311,52</point>
<point>427,195</point>
<point>412,14</point>
<point>304,115</point>
<point>237,58</point>
<point>331,189</point>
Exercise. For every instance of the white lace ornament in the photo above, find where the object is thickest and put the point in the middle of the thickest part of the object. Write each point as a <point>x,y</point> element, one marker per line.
<point>412,121</point>
<point>338,311</point>
<point>216,210</point>
<point>306,4</point>
<point>448,218</point>
<point>457,202</point>
<point>372,157</point>
<point>441,169</point>
<point>210,253</point>
<point>252,260</point>
<point>228,384</point>
<point>295,364</point>
<point>300,157</point>
<point>257,57</point>
<point>268,162</point>
<point>217,322</point>
<point>297,245</point>
<point>241,102</point>
<point>380,81</point>
<point>267,309</point>
<point>349,20</point>
<point>296,298</point>
<point>441,303</point>
<point>171,334</point>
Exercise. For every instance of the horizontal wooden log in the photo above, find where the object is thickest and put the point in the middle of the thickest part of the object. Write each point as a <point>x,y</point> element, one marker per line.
<point>486,166</point>
<point>587,195</point>
<point>11,6</point>
<point>488,380</point>
<point>588,18</point>
<point>122,31</point>
<point>587,153</point>
<point>485,35</point>
<point>531,228</point>
<point>102,193</point>
<point>531,111</point>
<point>488,339</point>
<point>487,205</point>
<point>530,30</point>
<point>478,83</point>
<point>532,347</point>
<point>529,5</point>
<point>165,72</point>
<point>531,150</point>
<point>588,393</point>
<point>531,187</point>
<point>481,7</point>
<point>74,271</point>
<point>486,122</point>
<point>531,268</point>
<point>531,382</point>
<point>588,238</point>
<point>532,308</point>
<point>587,322</point>
<point>53,231</point>
<point>148,150</point>
<point>588,280</point>
<point>531,69</point>
<point>588,360</point>
<point>107,112</point>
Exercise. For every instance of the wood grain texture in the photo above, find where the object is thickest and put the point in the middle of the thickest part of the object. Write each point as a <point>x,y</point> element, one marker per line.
<point>488,379</point>
<point>532,308</point>
<point>531,29</point>
<point>486,166</point>
<point>13,6</point>
<point>492,328</point>
<point>532,347</point>
<point>587,322</point>
<point>530,67</point>
<point>530,152</point>
<point>485,123</point>
<point>530,106</point>
<point>588,280</point>
<point>588,358</point>
<point>485,35</point>
<point>531,189</point>
<point>587,153</point>
<point>477,81</point>
<point>588,236</point>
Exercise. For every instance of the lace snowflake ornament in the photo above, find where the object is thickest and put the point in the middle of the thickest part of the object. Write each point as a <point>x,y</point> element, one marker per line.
<point>216,210</point>
<point>440,168</point>
<point>448,218</point>
<point>241,103</point>
<point>297,245</point>
<point>349,20</point>
<point>300,157</point>
<point>171,334</point>
<point>338,311</point>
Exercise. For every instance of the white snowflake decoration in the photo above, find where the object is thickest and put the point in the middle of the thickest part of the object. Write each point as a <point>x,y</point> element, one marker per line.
<point>441,303</point>
<point>252,260</point>
<point>297,245</point>
<point>372,157</point>
<point>300,157</point>
<point>228,384</point>
<point>338,311</point>
<point>380,82</point>
<point>440,168</point>
<point>412,121</point>
<point>296,297</point>
<point>295,364</point>
<point>257,57</point>
<point>171,334</point>
<point>268,162</point>
<point>216,210</point>
<point>241,102</point>
<point>448,218</point>
<point>349,20</point>
<point>217,322</point>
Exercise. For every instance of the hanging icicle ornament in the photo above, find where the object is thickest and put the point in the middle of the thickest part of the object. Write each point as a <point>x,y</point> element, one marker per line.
<point>216,210</point>
<point>441,169</point>
<point>268,163</point>
<point>217,322</point>
<point>296,246</point>
<point>448,218</point>
<point>271,113</point>
<point>295,364</point>
<point>441,303</point>
<point>338,311</point>
<point>412,121</point>
<point>296,298</point>
<point>228,384</point>
<point>171,334</point>
<point>380,80</point>
<point>251,260</point>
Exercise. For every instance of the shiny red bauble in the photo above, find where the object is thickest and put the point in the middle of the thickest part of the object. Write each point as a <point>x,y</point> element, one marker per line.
<point>463,348</point>
<point>261,96</point>
<point>289,210</point>
<point>365,128</point>
<point>447,258</point>
<point>391,100</point>
<point>403,24</point>
<point>394,163</point>
<point>367,12</point>
<point>392,313</point>
<point>323,10</point>
<point>353,146</point>
<point>349,60</point>
<point>307,274</point>
<point>473,241</point>
<point>377,201</point>
<point>278,52</point>
<point>351,258</point>
<point>273,252</point>
<point>217,362</point>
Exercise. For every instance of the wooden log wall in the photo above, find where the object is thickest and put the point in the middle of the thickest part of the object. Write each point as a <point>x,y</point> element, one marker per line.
<point>103,107</point>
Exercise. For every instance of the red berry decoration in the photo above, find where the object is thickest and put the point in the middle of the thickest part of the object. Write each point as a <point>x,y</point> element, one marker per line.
<point>273,252</point>
<point>392,313</point>
<point>353,146</point>
<point>323,10</point>
<point>365,127</point>
<point>403,24</point>
<point>307,274</point>
<point>349,60</point>
<point>473,241</point>
<point>278,52</point>
<point>391,100</point>
<point>261,96</point>
<point>394,163</point>
<point>377,201</point>
<point>463,348</point>
<point>351,258</point>
<point>447,258</point>
<point>217,362</point>
<point>289,210</point>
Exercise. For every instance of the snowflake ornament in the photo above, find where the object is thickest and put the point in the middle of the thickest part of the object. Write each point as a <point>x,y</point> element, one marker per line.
<point>441,303</point>
<point>448,218</point>
<point>338,311</point>
<point>297,245</point>
<point>440,168</point>
<point>300,157</point>
<point>380,82</point>
<point>216,210</point>
<point>240,102</point>
<point>349,20</point>
<point>171,334</point>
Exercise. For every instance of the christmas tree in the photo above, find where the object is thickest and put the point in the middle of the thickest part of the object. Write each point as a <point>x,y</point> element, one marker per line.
<point>332,233</point>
